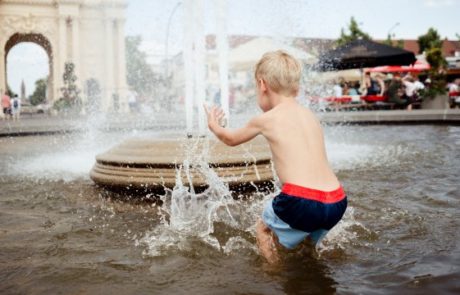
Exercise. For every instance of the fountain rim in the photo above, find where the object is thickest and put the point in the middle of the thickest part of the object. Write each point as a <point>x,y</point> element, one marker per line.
<point>180,165</point>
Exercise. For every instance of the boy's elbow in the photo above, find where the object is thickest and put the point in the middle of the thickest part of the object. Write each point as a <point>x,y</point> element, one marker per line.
<point>233,143</point>
<point>228,140</point>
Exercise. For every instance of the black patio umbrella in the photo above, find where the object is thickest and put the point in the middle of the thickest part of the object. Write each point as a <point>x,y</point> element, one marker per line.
<point>363,54</point>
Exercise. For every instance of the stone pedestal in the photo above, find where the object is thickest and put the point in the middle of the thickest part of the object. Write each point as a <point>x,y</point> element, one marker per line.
<point>439,102</point>
<point>153,165</point>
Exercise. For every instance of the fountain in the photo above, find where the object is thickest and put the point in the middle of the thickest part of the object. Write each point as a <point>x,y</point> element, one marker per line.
<point>153,165</point>
<point>60,233</point>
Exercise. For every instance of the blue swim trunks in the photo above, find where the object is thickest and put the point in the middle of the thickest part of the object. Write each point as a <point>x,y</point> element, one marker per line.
<point>299,212</point>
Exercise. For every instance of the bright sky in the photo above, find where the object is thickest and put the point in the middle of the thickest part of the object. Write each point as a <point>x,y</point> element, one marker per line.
<point>407,19</point>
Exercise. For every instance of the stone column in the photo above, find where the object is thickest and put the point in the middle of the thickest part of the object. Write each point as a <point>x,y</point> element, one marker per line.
<point>76,51</point>
<point>56,74</point>
<point>62,52</point>
<point>121,61</point>
<point>2,70</point>
<point>107,103</point>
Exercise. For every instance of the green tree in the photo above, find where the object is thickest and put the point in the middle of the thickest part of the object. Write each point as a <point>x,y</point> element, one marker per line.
<point>437,72</point>
<point>140,75</point>
<point>354,33</point>
<point>429,40</point>
<point>70,99</point>
<point>395,43</point>
<point>39,95</point>
<point>431,44</point>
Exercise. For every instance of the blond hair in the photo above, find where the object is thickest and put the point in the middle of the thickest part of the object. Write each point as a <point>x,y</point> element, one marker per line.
<point>280,71</point>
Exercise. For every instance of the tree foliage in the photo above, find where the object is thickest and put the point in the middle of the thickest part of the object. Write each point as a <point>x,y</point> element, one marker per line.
<point>140,75</point>
<point>70,99</point>
<point>429,40</point>
<point>437,72</point>
<point>39,95</point>
<point>431,44</point>
<point>354,33</point>
<point>395,43</point>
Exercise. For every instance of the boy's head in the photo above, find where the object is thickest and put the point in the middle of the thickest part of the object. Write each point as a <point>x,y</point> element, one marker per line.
<point>280,72</point>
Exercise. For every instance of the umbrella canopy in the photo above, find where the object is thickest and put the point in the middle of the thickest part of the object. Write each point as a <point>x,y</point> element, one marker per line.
<point>419,66</point>
<point>347,75</point>
<point>363,54</point>
<point>246,55</point>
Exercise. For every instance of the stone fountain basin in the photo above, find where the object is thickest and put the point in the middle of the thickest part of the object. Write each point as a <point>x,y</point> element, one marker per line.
<point>157,164</point>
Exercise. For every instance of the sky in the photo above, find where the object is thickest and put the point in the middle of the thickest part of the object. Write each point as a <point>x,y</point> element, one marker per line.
<point>406,19</point>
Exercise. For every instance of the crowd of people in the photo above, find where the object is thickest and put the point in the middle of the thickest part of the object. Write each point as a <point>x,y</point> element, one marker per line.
<point>403,91</point>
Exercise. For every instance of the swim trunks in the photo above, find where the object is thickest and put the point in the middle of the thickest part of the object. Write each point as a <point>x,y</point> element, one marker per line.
<point>299,212</point>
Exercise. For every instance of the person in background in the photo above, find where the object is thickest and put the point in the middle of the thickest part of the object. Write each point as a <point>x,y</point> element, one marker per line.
<point>353,90</point>
<point>379,78</point>
<point>396,93</point>
<point>373,86</point>
<point>454,86</point>
<point>16,107</point>
<point>6,105</point>
<point>418,88</point>
<point>418,85</point>
<point>345,88</point>
<point>338,91</point>
<point>409,86</point>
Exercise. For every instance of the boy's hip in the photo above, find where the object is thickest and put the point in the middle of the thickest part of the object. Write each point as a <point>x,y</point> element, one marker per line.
<point>308,209</point>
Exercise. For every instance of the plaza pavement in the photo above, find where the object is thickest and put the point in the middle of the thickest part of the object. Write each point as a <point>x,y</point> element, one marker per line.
<point>40,124</point>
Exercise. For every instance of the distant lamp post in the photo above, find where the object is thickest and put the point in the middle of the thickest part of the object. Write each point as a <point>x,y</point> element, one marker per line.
<point>167,37</point>
<point>392,28</point>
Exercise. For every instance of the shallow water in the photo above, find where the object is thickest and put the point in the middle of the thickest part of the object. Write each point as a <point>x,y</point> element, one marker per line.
<point>59,233</point>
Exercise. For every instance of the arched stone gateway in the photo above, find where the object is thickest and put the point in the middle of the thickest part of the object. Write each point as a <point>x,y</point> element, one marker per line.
<point>89,33</point>
<point>38,39</point>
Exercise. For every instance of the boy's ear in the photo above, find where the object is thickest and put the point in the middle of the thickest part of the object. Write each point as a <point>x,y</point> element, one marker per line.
<point>262,85</point>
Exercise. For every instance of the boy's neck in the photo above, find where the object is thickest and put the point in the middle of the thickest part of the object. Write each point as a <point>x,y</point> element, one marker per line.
<point>276,99</point>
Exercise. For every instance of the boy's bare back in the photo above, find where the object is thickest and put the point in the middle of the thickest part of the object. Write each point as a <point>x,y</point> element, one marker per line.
<point>297,144</point>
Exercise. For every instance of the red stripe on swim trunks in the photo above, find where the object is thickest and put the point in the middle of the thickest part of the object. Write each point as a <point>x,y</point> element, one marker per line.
<point>313,194</point>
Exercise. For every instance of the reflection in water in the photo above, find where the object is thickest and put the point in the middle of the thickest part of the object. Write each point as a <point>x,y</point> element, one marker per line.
<point>61,233</point>
<point>307,273</point>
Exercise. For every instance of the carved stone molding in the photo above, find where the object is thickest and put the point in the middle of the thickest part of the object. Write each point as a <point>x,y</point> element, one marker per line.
<point>39,2</point>
<point>26,24</point>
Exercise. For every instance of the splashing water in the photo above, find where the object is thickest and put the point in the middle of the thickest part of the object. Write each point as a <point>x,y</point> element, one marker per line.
<point>187,216</point>
<point>186,213</point>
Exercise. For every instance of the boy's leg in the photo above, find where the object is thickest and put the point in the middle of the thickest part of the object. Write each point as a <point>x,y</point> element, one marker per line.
<point>266,243</point>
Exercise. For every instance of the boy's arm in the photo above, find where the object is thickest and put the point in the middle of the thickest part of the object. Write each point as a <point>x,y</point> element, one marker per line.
<point>232,137</point>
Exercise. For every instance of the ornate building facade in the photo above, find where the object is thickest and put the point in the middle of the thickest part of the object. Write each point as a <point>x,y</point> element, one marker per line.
<point>88,33</point>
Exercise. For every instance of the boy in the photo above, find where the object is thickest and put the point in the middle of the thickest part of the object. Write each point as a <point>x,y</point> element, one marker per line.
<point>312,200</point>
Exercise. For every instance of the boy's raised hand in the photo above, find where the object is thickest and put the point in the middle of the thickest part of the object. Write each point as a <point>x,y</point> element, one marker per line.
<point>215,116</point>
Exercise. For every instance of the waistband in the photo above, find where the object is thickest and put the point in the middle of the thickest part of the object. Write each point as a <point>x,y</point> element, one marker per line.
<point>313,194</point>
